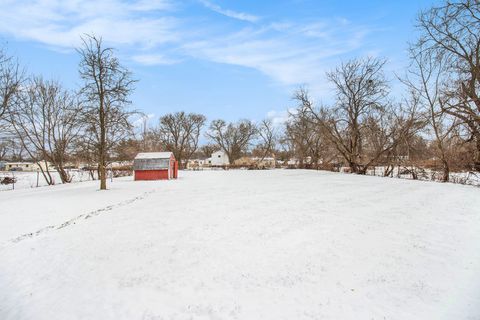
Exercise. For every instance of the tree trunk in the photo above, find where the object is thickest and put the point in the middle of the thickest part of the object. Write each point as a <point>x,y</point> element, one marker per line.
<point>181,164</point>
<point>103,176</point>
<point>46,174</point>
<point>59,164</point>
<point>414,174</point>
<point>103,143</point>
<point>363,170</point>
<point>446,171</point>
<point>388,170</point>
<point>301,165</point>
<point>353,167</point>
<point>64,176</point>
<point>92,174</point>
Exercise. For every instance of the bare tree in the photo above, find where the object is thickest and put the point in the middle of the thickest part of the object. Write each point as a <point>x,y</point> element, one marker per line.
<point>233,138</point>
<point>303,134</point>
<point>128,148</point>
<point>360,88</point>
<point>451,33</point>
<point>45,120</point>
<point>363,125</point>
<point>268,139</point>
<point>15,149</point>
<point>208,149</point>
<point>180,133</point>
<point>426,80</point>
<point>4,149</point>
<point>106,90</point>
<point>10,79</point>
<point>387,130</point>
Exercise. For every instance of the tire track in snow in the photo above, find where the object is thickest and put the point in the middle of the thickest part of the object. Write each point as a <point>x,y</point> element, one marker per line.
<point>83,216</point>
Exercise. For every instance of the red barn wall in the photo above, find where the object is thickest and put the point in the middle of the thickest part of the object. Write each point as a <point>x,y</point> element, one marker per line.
<point>151,175</point>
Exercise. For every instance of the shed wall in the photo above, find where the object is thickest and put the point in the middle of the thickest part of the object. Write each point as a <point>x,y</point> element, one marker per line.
<point>151,174</point>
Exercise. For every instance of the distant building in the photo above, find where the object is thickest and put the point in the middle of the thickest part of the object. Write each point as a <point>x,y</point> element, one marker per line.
<point>293,162</point>
<point>155,166</point>
<point>219,158</point>
<point>29,166</point>
<point>196,164</point>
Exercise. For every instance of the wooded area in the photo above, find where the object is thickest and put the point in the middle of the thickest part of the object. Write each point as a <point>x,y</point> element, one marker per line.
<point>434,124</point>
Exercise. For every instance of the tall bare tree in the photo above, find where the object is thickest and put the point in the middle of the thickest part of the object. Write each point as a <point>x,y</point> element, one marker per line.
<point>233,138</point>
<point>426,80</point>
<point>360,88</point>
<point>46,122</point>
<point>106,90</point>
<point>180,133</point>
<point>451,33</point>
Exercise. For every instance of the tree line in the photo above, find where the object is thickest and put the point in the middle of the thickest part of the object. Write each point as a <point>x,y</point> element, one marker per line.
<point>43,122</point>
<point>437,118</point>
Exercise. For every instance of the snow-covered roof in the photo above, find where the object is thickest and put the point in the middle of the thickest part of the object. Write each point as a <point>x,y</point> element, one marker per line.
<point>153,155</point>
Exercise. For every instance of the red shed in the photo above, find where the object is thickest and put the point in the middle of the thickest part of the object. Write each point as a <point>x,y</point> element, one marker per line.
<point>155,166</point>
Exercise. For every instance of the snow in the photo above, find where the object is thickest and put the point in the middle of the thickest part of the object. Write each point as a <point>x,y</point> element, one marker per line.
<point>278,244</point>
<point>154,155</point>
<point>26,179</point>
<point>468,177</point>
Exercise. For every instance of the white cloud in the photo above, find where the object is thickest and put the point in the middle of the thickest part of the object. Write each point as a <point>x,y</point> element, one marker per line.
<point>151,5</point>
<point>230,13</point>
<point>61,23</point>
<point>154,59</point>
<point>278,118</point>
<point>293,55</point>
<point>290,53</point>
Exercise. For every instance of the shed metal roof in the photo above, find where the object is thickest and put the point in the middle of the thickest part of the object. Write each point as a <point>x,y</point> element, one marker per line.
<point>154,155</point>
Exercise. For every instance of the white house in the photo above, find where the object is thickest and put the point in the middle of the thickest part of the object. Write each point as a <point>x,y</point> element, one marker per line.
<point>219,158</point>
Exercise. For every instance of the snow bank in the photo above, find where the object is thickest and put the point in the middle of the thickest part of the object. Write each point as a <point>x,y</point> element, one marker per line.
<point>280,244</point>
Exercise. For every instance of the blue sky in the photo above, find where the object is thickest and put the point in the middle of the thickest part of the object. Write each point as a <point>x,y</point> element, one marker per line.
<point>226,59</point>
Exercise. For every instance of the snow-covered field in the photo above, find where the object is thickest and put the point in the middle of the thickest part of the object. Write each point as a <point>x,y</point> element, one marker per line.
<point>281,244</point>
<point>26,180</point>
<point>467,178</point>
